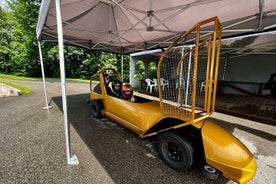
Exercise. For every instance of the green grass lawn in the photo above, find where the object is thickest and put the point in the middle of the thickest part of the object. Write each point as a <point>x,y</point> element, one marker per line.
<point>24,90</point>
<point>79,80</point>
<point>13,77</point>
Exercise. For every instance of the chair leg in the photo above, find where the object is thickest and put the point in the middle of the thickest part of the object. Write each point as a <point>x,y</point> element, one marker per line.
<point>201,88</point>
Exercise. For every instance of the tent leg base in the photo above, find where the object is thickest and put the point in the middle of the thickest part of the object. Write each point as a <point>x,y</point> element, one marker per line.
<point>47,107</point>
<point>74,160</point>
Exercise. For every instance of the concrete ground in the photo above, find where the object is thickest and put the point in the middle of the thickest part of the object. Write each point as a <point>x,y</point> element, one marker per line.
<point>32,144</point>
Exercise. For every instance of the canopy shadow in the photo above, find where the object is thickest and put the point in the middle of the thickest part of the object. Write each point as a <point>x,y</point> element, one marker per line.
<point>124,156</point>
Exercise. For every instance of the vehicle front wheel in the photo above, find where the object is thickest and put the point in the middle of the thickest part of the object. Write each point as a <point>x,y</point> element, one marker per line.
<point>97,107</point>
<point>175,151</point>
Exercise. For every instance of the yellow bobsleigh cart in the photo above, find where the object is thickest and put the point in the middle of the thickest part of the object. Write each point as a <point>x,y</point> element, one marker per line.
<point>179,118</point>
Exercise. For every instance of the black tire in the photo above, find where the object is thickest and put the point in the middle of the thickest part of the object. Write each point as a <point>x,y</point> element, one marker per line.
<point>210,172</point>
<point>175,151</point>
<point>97,107</point>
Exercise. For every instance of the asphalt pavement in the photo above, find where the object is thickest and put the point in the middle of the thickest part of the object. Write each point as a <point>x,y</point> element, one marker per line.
<point>32,144</point>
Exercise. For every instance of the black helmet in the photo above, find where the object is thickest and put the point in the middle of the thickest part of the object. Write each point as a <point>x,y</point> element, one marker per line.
<point>116,83</point>
<point>127,91</point>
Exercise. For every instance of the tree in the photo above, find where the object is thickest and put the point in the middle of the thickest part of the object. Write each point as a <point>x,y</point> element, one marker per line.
<point>139,70</point>
<point>5,40</point>
<point>152,70</point>
<point>19,50</point>
<point>24,49</point>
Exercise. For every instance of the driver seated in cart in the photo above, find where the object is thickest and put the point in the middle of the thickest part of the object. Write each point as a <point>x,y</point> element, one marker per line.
<point>127,93</point>
<point>121,91</point>
<point>115,89</point>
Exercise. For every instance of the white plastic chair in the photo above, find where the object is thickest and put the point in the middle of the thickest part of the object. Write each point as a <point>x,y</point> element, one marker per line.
<point>156,83</point>
<point>150,84</point>
<point>203,83</point>
<point>163,83</point>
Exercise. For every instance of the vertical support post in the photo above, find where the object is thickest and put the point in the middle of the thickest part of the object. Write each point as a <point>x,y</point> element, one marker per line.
<point>70,160</point>
<point>261,14</point>
<point>214,62</point>
<point>206,88</point>
<point>218,37</point>
<point>146,64</point>
<point>134,82</point>
<point>188,77</point>
<point>122,67</point>
<point>225,67</point>
<point>180,78</point>
<point>196,51</point>
<point>47,107</point>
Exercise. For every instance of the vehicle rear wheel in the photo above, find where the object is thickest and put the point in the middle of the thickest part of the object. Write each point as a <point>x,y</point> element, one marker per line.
<point>210,172</point>
<point>175,151</point>
<point>97,107</point>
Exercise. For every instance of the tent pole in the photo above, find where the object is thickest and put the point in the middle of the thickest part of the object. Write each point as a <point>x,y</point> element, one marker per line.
<point>122,67</point>
<point>189,73</point>
<point>47,107</point>
<point>70,160</point>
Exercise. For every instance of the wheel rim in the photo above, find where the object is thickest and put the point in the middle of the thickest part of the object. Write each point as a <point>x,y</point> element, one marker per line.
<point>174,152</point>
<point>210,169</point>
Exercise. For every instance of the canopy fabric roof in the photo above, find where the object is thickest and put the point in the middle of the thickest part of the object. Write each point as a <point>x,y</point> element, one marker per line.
<point>128,26</point>
<point>254,44</point>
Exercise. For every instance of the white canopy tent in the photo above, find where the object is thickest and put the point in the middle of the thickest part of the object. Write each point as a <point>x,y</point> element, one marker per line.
<point>128,26</point>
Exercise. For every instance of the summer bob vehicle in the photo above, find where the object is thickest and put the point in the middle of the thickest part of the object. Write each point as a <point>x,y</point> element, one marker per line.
<point>178,119</point>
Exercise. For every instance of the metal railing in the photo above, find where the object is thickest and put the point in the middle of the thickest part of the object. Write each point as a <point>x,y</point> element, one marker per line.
<point>187,68</point>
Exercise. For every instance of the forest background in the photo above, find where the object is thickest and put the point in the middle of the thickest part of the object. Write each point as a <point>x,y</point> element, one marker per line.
<point>19,53</point>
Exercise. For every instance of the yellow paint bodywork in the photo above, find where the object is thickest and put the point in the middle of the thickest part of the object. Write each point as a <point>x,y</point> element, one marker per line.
<point>138,117</point>
<point>226,153</point>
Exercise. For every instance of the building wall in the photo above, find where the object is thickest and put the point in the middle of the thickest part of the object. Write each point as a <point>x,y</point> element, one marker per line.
<point>134,82</point>
<point>252,68</point>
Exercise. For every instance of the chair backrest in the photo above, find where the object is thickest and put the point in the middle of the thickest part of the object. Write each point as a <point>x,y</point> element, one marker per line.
<point>155,81</point>
<point>164,81</point>
<point>182,83</point>
<point>148,81</point>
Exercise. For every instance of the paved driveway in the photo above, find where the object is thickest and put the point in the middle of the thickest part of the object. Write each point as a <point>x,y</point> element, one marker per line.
<point>32,145</point>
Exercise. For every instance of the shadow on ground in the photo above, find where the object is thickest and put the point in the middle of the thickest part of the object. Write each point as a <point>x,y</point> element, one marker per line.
<point>125,157</point>
<point>231,126</point>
